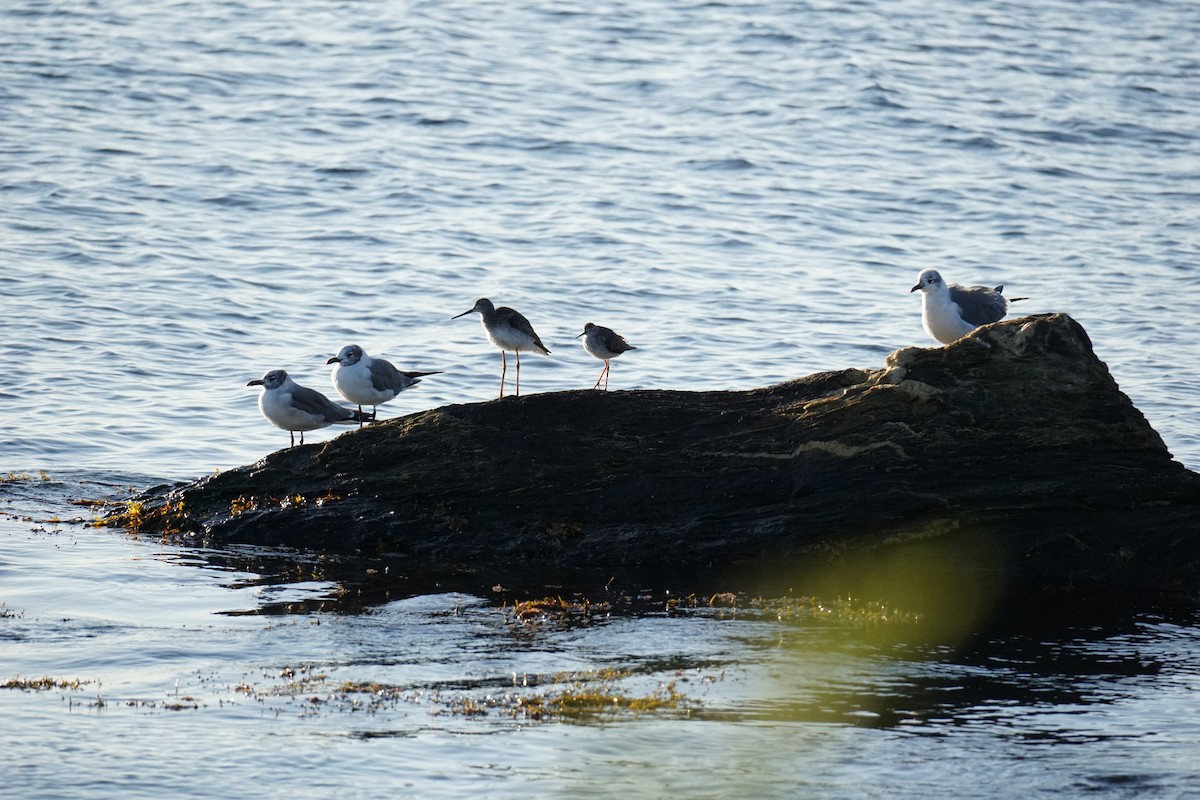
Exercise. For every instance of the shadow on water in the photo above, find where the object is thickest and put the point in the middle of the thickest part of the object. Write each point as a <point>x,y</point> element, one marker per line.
<point>893,642</point>
<point>921,637</point>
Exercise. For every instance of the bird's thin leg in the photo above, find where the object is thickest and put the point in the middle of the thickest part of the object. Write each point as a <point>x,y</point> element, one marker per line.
<point>301,437</point>
<point>503,370</point>
<point>293,435</point>
<point>607,370</point>
<point>597,386</point>
<point>518,373</point>
<point>360,422</point>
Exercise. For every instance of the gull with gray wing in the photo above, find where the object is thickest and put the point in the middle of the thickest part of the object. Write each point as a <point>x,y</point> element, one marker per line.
<point>364,380</point>
<point>292,407</point>
<point>949,311</point>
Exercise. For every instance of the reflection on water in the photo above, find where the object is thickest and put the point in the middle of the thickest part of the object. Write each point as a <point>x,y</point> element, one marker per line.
<point>633,686</point>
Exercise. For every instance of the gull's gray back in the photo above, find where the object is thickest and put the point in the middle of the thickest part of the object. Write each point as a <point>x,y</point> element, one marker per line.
<point>386,378</point>
<point>979,304</point>
<point>311,401</point>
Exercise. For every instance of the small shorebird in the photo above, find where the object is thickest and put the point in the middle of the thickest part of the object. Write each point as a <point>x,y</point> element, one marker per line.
<point>949,311</point>
<point>508,330</point>
<point>604,343</point>
<point>364,380</point>
<point>293,407</point>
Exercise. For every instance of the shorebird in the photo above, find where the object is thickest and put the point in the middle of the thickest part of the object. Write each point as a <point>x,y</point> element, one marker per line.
<point>949,311</point>
<point>364,380</point>
<point>508,330</point>
<point>604,343</point>
<point>293,407</point>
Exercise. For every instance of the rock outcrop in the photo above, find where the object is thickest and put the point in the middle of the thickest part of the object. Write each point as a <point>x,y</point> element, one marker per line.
<point>1016,436</point>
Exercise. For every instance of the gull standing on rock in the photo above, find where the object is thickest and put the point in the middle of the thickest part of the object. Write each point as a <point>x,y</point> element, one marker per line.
<point>950,311</point>
<point>605,344</point>
<point>293,407</point>
<point>508,330</point>
<point>364,380</point>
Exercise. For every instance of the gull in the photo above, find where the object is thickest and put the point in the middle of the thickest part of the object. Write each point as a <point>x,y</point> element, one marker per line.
<point>604,343</point>
<point>364,380</point>
<point>293,407</point>
<point>949,311</point>
<point>508,330</point>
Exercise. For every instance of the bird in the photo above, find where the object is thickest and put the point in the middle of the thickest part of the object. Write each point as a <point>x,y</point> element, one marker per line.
<point>507,329</point>
<point>949,311</point>
<point>604,343</point>
<point>292,407</point>
<point>364,380</point>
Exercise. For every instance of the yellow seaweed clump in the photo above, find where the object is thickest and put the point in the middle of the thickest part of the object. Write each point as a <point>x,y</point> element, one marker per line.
<point>15,477</point>
<point>135,517</point>
<point>529,612</point>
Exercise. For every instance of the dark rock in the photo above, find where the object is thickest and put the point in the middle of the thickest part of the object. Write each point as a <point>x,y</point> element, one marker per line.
<point>1015,441</point>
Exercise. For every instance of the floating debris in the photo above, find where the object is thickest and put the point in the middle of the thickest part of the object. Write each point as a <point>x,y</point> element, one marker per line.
<point>14,477</point>
<point>800,608</point>
<point>791,608</point>
<point>44,684</point>
<point>575,696</point>
<point>531,612</point>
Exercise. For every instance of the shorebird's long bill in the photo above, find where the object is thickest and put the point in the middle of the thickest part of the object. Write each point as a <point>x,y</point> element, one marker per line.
<point>463,314</point>
<point>580,334</point>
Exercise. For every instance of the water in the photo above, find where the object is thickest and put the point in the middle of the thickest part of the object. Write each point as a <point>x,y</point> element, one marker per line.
<point>185,693</point>
<point>194,193</point>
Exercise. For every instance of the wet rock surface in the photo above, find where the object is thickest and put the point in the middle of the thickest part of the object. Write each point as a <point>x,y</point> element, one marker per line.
<point>1015,441</point>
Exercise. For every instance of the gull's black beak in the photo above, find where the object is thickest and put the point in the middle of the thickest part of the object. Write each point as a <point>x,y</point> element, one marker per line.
<point>915,288</point>
<point>255,382</point>
<point>335,359</point>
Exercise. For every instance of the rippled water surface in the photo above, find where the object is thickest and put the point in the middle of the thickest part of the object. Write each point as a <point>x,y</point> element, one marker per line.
<point>194,193</point>
<point>193,673</point>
